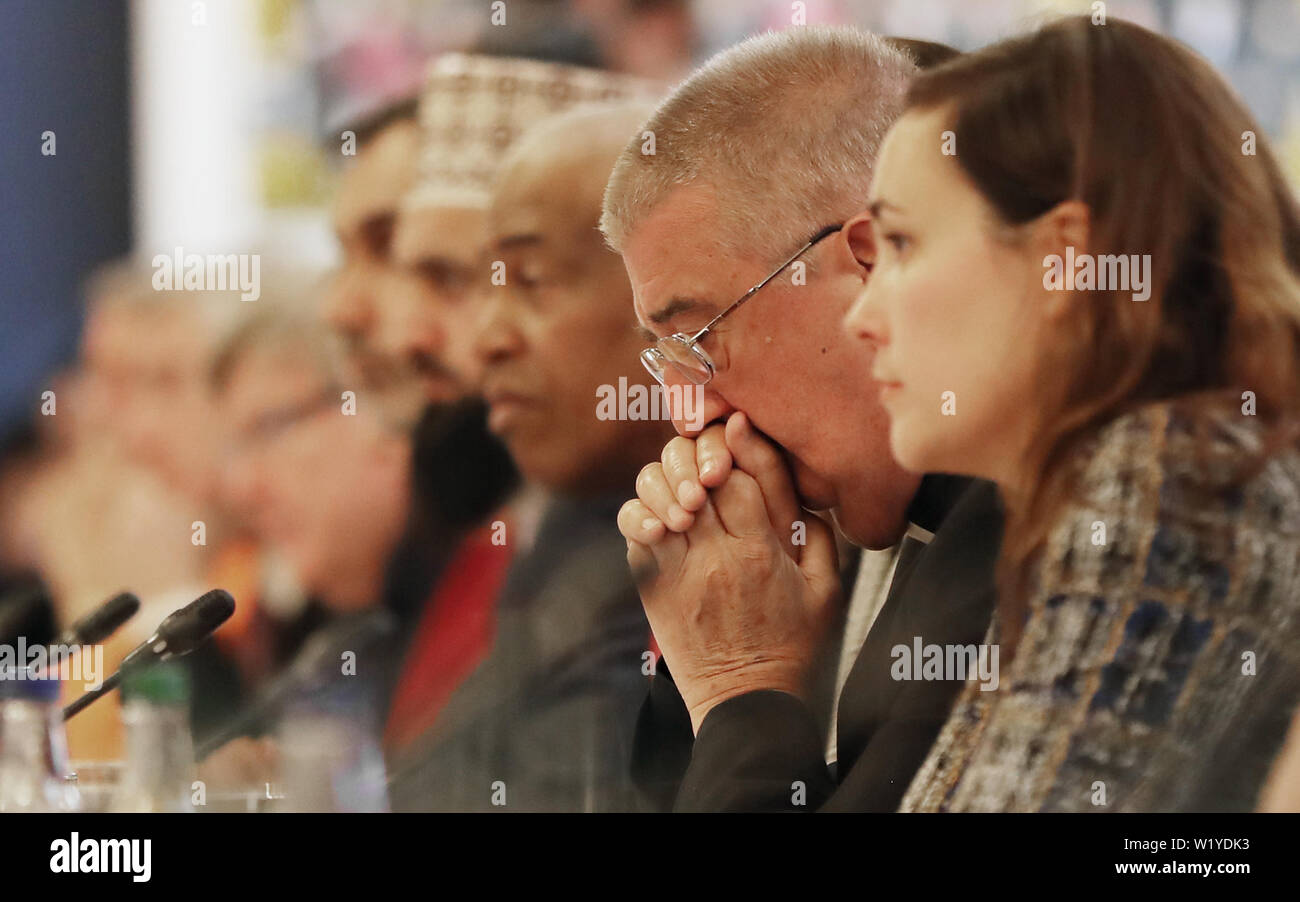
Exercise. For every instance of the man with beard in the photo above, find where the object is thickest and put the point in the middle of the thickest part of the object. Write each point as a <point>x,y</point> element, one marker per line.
<point>411,232</point>
<point>458,472</point>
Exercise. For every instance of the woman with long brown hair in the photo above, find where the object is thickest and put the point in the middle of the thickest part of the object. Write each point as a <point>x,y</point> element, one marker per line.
<point>1086,287</point>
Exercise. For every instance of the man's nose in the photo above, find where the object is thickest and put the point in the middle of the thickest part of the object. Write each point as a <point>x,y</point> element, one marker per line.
<point>496,336</point>
<point>422,332</point>
<point>239,482</point>
<point>349,307</point>
<point>694,406</point>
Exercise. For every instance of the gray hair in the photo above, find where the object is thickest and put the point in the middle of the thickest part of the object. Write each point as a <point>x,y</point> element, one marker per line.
<point>289,334</point>
<point>785,127</point>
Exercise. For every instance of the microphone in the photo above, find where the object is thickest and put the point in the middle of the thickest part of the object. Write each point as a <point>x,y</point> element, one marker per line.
<point>179,634</point>
<point>182,631</point>
<point>102,622</point>
<point>21,610</point>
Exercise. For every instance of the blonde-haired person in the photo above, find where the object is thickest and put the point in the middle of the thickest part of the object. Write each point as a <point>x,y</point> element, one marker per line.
<point>1144,436</point>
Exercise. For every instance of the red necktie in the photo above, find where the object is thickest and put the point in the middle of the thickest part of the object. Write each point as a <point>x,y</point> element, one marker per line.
<point>454,634</point>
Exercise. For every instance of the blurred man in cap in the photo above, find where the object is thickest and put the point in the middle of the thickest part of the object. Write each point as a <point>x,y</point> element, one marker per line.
<point>472,111</point>
<point>364,214</point>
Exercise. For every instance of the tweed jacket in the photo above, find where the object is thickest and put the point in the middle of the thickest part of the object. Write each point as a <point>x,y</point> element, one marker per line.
<point>1160,659</point>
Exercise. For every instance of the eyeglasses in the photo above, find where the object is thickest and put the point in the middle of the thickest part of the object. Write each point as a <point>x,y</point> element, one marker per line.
<point>683,353</point>
<point>272,424</point>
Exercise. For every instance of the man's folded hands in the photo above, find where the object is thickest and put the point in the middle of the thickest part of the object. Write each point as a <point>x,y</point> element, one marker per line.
<point>739,584</point>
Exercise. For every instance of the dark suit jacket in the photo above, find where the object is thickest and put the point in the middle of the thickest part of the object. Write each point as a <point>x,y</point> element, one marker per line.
<point>551,711</point>
<point>754,750</point>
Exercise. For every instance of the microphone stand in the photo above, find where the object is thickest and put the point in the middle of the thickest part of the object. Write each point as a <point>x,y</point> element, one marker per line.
<point>93,695</point>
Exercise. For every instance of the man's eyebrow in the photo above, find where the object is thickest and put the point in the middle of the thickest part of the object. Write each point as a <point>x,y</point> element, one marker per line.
<point>522,240</point>
<point>676,307</point>
<point>440,261</point>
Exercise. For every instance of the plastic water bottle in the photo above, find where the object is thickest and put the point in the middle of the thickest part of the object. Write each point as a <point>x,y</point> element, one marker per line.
<point>159,771</point>
<point>330,758</point>
<point>33,745</point>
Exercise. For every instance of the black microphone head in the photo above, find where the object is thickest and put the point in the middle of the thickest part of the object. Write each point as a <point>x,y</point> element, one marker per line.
<point>27,611</point>
<point>186,628</point>
<point>105,620</point>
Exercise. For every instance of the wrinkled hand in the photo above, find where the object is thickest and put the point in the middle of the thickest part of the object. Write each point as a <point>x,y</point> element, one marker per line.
<point>735,604</point>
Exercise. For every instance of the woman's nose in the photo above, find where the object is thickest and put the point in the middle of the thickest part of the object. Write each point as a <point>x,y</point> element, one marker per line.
<point>864,321</point>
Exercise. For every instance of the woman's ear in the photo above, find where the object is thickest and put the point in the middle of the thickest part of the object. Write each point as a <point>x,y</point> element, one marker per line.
<point>1060,234</point>
<point>857,236</point>
<point>1065,225</point>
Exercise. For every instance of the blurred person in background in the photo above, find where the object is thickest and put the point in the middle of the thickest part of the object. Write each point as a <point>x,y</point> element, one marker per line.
<point>326,486</point>
<point>401,321</point>
<point>169,428</point>
<point>472,110</point>
<point>542,30</point>
<point>26,608</point>
<point>460,471</point>
<point>545,722</point>
<point>1149,591</point>
<point>128,473</point>
<point>365,305</point>
<point>322,485</point>
<point>364,214</point>
<point>655,39</point>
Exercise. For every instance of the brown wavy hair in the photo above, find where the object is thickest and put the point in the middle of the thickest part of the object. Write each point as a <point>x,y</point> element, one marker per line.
<point>1146,134</point>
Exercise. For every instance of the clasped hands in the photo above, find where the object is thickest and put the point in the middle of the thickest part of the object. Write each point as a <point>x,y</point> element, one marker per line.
<point>736,601</point>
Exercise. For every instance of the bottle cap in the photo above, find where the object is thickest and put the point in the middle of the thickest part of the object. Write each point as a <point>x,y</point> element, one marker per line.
<point>164,683</point>
<point>28,684</point>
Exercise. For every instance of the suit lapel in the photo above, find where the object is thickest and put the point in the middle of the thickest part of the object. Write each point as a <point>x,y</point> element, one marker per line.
<point>941,592</point>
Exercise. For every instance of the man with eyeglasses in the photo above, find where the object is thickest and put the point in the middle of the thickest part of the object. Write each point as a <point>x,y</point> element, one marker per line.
<point>762,166</point>
<point>323,487</point>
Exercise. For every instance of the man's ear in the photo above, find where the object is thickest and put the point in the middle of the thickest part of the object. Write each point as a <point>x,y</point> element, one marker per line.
<point>857,236</point>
